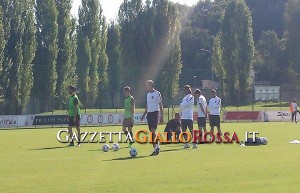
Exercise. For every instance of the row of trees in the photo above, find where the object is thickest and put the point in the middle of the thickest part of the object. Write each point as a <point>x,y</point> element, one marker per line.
<point>242,36</point>
<point>43,49</point>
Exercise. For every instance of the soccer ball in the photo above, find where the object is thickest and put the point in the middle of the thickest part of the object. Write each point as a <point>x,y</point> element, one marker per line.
<point>105,148</point>
<point>133,152</point>
<point>115,147</point>
<point>264,141</point>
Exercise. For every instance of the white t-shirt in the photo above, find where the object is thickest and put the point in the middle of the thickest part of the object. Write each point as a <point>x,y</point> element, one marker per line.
<point>201,100</point>
<point>295,106</point>
<point>187,107</point>
<point>214,106</point>
<point>153,100</point>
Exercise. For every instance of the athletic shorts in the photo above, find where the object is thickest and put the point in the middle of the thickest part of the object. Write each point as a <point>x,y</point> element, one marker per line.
<point>127,122</point>
<point>186,123</point>
<point>72,123</point>
<point>214,120</point>
<point>201,122</point>
<point>152,119</point>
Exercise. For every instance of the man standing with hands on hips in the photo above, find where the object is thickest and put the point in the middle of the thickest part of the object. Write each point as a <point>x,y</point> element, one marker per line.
<point>214,106</point>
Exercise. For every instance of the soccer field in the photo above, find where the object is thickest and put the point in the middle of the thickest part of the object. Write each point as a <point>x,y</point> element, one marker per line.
<point>32,160</point>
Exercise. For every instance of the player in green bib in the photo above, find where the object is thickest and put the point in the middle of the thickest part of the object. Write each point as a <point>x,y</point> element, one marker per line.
<point>129,111</point>
<point>74,115</point>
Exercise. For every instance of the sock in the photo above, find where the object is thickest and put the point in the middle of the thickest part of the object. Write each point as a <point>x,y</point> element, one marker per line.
<point>131,134</point>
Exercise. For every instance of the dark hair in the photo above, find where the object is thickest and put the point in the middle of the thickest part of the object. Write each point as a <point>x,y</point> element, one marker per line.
<point>177,114</point>
<point>188,87</point>
<point>127,88</point>
<point>197,91</point>
<point>72,87</point>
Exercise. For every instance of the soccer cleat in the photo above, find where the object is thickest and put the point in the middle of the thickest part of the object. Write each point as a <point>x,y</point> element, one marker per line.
<point>153,153</point>
<point>195,146</point>
<point>157,150</point>
<point>78,145</point>
<point>71,144</point>
<point>186,146</point>
<point>129,145</point>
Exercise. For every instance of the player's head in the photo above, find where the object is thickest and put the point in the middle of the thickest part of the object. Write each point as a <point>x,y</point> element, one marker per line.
<point>213,93</point>
<point>126,91</point>
<point>197,93</point>
<point>294,100</point>
<point>149,85</point>
<point>187,89</point>
<point>177,116</point>
<point>72,89</point>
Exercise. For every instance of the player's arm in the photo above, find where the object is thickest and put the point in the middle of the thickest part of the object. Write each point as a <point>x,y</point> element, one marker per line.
<point>202,109</point>
<point>161,108</point>
<point>145,112</point>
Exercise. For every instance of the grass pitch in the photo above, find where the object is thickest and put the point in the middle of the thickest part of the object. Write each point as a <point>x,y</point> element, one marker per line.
<point>32,160</point>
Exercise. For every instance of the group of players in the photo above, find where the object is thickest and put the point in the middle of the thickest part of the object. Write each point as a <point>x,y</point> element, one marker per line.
<point>182,121</point>
<point>155,115</point>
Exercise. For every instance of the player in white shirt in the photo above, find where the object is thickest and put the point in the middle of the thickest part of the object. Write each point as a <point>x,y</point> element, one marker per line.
<point>187,112</point>
<point>214,106</point>
<point>154,106</point>
<point>202,110</point>
<point>294,108</point>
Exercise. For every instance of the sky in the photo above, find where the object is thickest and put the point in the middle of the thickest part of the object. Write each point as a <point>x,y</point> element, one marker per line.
<point>111,7</point>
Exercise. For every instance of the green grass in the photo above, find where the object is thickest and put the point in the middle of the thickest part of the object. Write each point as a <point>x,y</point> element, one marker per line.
<point>32,160</point>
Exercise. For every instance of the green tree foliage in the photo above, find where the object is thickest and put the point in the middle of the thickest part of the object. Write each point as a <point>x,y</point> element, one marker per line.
<point>89,50</point>
<point>237,47</point>
<point>267,15</point>
<point>45,74</point>
<point>2,47</point>
<point>5,60</point>
<point>65,66</point>
<point>20,52</point>
<point>200,25</point>
<point>292,18</point>
<point>103,97</point>
<point>150,44</point>
<point>218,67</point>
<point>268,59</point>
<point>113,50</point>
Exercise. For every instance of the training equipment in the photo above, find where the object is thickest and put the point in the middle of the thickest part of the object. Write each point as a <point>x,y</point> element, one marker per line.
<point>263,140</point>
<point>115,147</point>
<point>105,148</point>
<point>133,152</point>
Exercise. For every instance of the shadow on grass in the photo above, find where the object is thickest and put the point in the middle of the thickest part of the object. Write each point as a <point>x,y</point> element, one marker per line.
<point>127,158</point>
<point>170,150</point>
<point>100,149</point>
<point>49,148</point>
<point>145,156</point>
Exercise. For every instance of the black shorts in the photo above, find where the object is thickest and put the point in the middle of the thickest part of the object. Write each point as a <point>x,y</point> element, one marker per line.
<point>214,120</point>
<point>152,119</point>
<point>73,123</point>
<point>186,123</point>
<point>127,122</point>
<point>201,122</point>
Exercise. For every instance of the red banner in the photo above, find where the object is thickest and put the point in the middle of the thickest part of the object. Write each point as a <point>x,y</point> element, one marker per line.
<point>242,116</point>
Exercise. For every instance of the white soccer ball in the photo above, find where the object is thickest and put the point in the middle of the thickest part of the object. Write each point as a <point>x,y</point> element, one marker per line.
<point>264,141</point>
<point>115,147</point>
<point>133,152</point>
<point>105,148</point>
